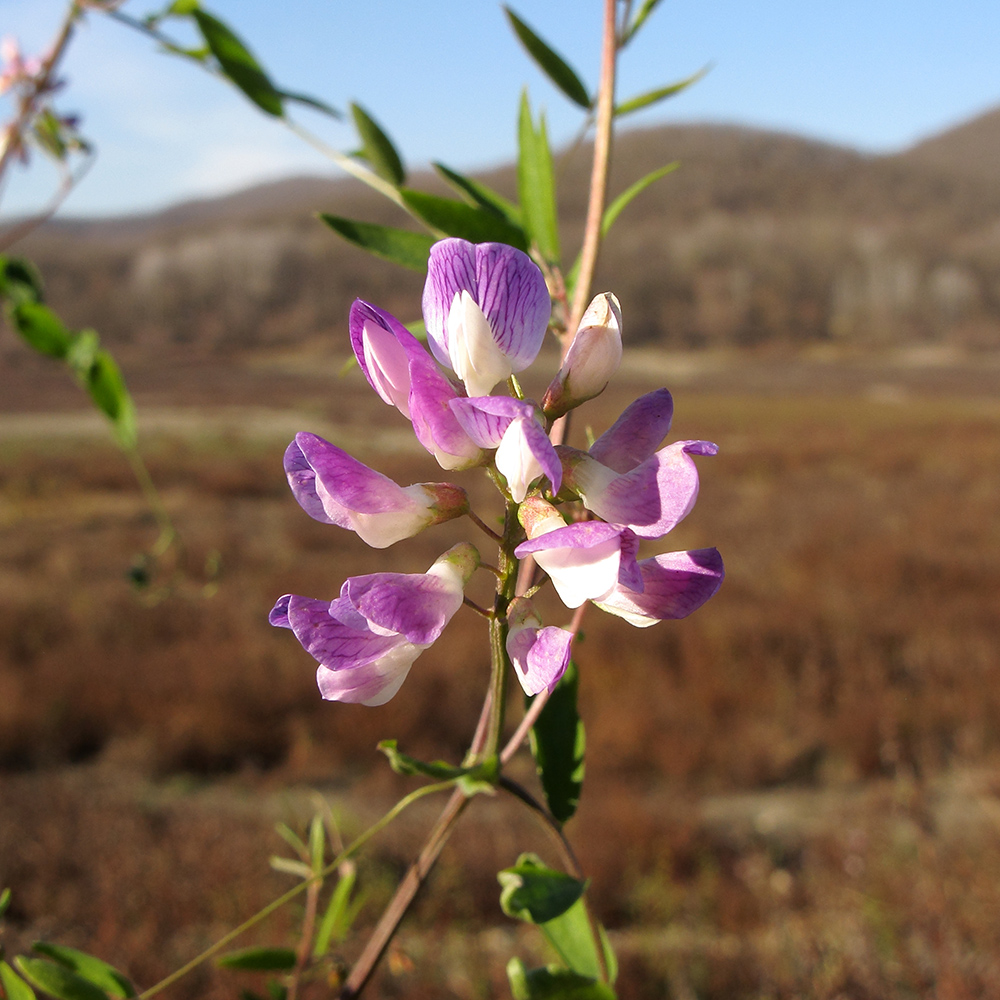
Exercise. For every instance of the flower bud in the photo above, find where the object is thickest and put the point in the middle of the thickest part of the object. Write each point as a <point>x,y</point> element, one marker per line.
<point>593,357</point>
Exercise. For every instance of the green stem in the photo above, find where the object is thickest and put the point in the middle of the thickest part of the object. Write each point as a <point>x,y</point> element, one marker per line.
<point>168,533</point>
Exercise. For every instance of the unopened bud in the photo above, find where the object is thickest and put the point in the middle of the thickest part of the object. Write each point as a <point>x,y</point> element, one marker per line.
<point>593,357</point>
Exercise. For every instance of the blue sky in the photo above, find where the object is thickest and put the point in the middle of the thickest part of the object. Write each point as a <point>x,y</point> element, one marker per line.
<point>444,77</point>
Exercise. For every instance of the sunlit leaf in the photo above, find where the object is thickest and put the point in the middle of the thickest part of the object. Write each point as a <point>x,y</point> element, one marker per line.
<point>377,147</point>
<point>551,63</point>
<point>397,245</point>
<point>615,208</point>
<point>13,985</point>
<point>534,892</point>
<point>468,222</point>
<point>572,936</point>
<point>639,20</point>
<point>660,94</point>
<point>259,959</point>
<point>554,983</point>
<point>57,980</point>
<point>558,742</point>
<point>480,194</point>
<point>536,184</point>
<point>102,975</point>
<point>238,64</point>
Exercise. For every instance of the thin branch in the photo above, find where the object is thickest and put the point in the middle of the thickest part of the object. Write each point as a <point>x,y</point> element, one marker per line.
<point>469,603</point>
<point>482,525</point>
<point>548,821</point>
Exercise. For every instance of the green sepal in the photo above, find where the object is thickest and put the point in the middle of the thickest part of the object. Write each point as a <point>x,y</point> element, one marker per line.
<point>472,780</point>
<point>536,185</point>
<point>259,959</point>
<point>377,147</point>
<point>550,62</point>
<point>660,94</point>
<point>468,222</point>
<point>478,193</point>
<point>558,742</point>
<point>613,210</point>
<point>554,983</point>
<point>13,985</point>
<point>533,892</point>
<point>102,975</point>
<point>238,64</point>
<point>399,246</point>
<point>57,980</point>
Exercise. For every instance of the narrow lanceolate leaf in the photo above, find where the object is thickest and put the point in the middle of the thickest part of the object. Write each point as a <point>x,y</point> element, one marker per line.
<point>13,985</point>
<point>259,959</point>
<point>536,185</point>
<point>238,64</point>
<point>468,222</point>
<point>42,329</point>
<point>557,743</point>
<point>4,901</point>
<point>338,916</point>
<point>102,975</point>
<point>660,94</point>
<point>615,208</point>
<point>572,936</point>
<point>312,102</point>
<point>377,147</point>
<point>551,63</point>
<point>57,980</point>
<point>478,193</point>
<point>553,983</point>
<point>639,20</point>
<point>533,892</point>
<point>396,245</point>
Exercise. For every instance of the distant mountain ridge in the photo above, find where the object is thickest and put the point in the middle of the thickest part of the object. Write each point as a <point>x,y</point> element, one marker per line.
<point>759,238</point>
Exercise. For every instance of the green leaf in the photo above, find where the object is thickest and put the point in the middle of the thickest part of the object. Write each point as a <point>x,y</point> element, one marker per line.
<point>312,102</point>
<point>317,843</point>
<point>181,8</point>
<point>289,866</point>
<point>4,901</point>
<point>57,980</point>
<point>397,245</point>
<point>102,975</point>
<point>572,936</point>
<point>20,281</point>
<point>660,94</point>
<point>456,218</point>
<point>290,837</point>
<point>377,148</point>
<point>13,985</point>
<point>238,64</point>
<point>558,742</point>
<point>42,329</point>
<point>610,958</point>
<point>480,194</point>
<point>533,892</point>
<point>259,959</point>
<point>107,389</point>
<point>338,916</point>
<point>554,983</point>
<point>551,63</point>
<point>536,186</point>
<point>480,777</point>
<point>638,21</point>
<point>615,208</point>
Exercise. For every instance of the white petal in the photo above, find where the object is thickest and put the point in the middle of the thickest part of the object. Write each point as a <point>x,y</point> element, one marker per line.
<point>580,574</point>
<point>516,462</point>
<point>475,356</point>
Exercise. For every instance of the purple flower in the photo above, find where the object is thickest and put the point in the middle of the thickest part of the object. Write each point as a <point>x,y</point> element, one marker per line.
<point>486,308</point>
<point>523,449</point>
<point>624,481</point>
<point>673,585</point>
<point>335,488</point>
<point>401,371</point>
<point>540,654</point>
<point>367,639</point>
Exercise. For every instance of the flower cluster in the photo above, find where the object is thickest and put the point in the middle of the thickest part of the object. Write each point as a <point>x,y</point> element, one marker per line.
<point>580,515</point>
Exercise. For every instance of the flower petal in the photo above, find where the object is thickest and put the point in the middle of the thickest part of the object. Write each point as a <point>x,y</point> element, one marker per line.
<point>539,655</point>
<point>380,344</point>
<point>637,433</point>
<point>373,683</point>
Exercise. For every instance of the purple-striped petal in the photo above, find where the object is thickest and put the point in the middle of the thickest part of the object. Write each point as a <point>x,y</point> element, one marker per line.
<point>539,655</point>
<point>380,344</point>
<point>414,605</point>
<point>637,433</point>
<point>674,585</point>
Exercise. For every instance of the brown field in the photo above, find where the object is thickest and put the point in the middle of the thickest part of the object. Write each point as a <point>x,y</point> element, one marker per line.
<point>792,794</point>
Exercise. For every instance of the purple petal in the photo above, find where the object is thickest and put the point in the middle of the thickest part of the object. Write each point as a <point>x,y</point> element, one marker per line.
<point>582,535</point>
<point>414,605</point>
<point>637,433</point>
<point>540,656</point>
<point>372,683</point>
<point>541,447</point>
<point>486,418</point>
<point>390,378</point>
<point>279,613</point>
<point>335,645</point>
<point>675,584</point>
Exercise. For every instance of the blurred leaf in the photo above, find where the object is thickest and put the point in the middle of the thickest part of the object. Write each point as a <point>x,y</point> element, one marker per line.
<point>480,777</point>
<point>638,21</point>
<point>338,916</point>
<point>107,389</point>
<point>317,843</point>
<point>610,958</point>
<point>183,7</point>
<point>57,980</point>
<point>238,64</point>
<point>572,936</point>
<point>534,892</point>
<point>4,901</point>
<point>259,959</point>
<point>290,837</point>
<point>48,132</point>
<point>551,63</point>
<point>13,985</point>
<point>102,975</point>
<point>289,866</point>
<point>456,218</point>
<point>615,208</point>
<point>397,245</point>
<point>312,102</point>
<point>42,329</point>
<point>536,184</point>
<point>377,148</point>
<point>20,281</point>
<point>277,991</point>
<point>661,94</point>
<point>558,742</point>
<point>480,194</point>
<point>82,353</point>
<point>554,983</point>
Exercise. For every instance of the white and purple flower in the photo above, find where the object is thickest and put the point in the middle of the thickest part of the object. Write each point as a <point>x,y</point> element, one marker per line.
<point>540,654</point>
<point>368,638</point>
